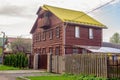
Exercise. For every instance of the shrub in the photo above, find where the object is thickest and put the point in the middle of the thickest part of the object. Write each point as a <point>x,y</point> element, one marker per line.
<point>16,60</point>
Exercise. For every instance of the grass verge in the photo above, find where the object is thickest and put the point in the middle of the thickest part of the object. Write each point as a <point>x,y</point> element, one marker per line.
<point>66,77</point>
<point>3,67</point>
<point>49,78</point>
<point>69,77</point>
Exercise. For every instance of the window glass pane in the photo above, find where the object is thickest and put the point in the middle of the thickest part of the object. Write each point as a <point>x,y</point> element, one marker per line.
<point>39,51</point>
<point>43,51</point>
<point>90,33</point>
<point>84,51</point>
<point>77,32</point>
<point>75,51</point>
<point>50,34</point>
<point>39,37</point>
<point>51,50</point>
<point>43,36</point>
<point>57,32</point>
<point>57,50</point>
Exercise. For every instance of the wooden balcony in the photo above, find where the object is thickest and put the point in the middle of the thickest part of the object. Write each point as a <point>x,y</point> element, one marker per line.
<point>44,23</point>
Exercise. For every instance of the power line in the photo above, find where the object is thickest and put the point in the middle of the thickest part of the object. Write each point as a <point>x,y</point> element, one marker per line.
<point>95,9</point>
<point>102,6</point>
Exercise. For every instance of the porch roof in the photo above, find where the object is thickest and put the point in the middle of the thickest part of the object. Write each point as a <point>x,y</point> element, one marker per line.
<point>97,49</point>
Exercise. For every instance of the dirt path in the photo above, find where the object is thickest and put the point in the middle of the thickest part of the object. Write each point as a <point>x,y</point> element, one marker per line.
<point>11,75</point>
<point>3,77</point>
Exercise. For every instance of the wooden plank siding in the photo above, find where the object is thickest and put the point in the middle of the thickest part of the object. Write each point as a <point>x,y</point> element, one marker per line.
<point>47,42</point>
<point>84,36</point>
<point>67,39</point>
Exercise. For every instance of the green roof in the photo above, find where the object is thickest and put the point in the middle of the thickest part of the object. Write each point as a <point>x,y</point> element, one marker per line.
<point>73,16</point>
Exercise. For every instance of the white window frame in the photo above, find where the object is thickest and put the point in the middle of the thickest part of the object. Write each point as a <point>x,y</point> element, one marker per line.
<point>57,50</point>
<point>51,50</point>
<point>57,32</point>
<point>50,34</point>
<point>75,50</point>
<point>84,51</point>
<point>91,33</point>
<point>77,32</point>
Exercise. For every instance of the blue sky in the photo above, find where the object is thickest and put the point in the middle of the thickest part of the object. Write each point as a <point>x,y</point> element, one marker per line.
<point>110,16</point>
<point>18,16</point>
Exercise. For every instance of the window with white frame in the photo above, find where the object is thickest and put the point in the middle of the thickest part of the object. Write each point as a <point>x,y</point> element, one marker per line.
<point>43,36</point>
<point>39,36</point>
<point>51,50</point>
<point>57,32</point>
<point>77,31</point>
<point>57,50</point>
<point>43,51</point>
<point>75,51</point>
<point>90,33</point>
<point>50,34</point>
<point>84,51</point>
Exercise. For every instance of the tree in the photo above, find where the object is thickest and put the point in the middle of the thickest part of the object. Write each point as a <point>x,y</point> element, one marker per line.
<point>115,38</point>
<point>21,45</point>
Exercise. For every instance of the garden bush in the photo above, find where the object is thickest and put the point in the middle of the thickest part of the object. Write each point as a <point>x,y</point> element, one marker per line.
<point>16,60</point>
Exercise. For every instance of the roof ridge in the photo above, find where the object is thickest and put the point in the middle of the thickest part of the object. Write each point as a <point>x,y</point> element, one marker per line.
<point>62,8</point>
<point>74,16</point>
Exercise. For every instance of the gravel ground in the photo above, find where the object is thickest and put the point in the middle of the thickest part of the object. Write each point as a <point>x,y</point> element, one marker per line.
<point>11,75</point>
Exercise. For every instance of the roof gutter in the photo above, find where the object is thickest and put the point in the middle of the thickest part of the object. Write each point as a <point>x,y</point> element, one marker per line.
<point>104,27</point>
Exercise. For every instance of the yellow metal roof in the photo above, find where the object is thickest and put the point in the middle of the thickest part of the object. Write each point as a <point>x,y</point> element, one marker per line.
<point>72,16</point>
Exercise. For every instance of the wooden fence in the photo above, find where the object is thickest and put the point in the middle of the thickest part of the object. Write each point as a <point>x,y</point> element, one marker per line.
<point>58,64</point>
<point>101,65</point>
<point>87,64</point>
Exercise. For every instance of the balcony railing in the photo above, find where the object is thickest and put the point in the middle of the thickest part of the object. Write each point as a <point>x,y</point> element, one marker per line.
<point>44,22</point>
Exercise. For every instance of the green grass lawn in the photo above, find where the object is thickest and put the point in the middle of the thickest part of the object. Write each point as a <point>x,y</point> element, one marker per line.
<point>3,67</point>
<point>67,77</point>
<point>50,78</point>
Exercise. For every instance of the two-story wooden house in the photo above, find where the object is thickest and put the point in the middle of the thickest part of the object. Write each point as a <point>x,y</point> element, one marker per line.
<point>62,31</point>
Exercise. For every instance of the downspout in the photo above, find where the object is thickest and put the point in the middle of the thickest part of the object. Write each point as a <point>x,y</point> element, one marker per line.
<point>32,45</point>
<point>64,41</point>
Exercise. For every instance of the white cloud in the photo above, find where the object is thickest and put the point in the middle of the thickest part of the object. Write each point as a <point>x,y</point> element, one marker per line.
<point>116,1</point>
<point>23,22</point>
<point>77,4</point>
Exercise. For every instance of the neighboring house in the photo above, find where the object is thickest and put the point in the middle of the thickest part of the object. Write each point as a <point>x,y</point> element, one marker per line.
<point>112,45</point>
<point>62,31</point>
<point>1,44</point>
<point>11,40</point>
